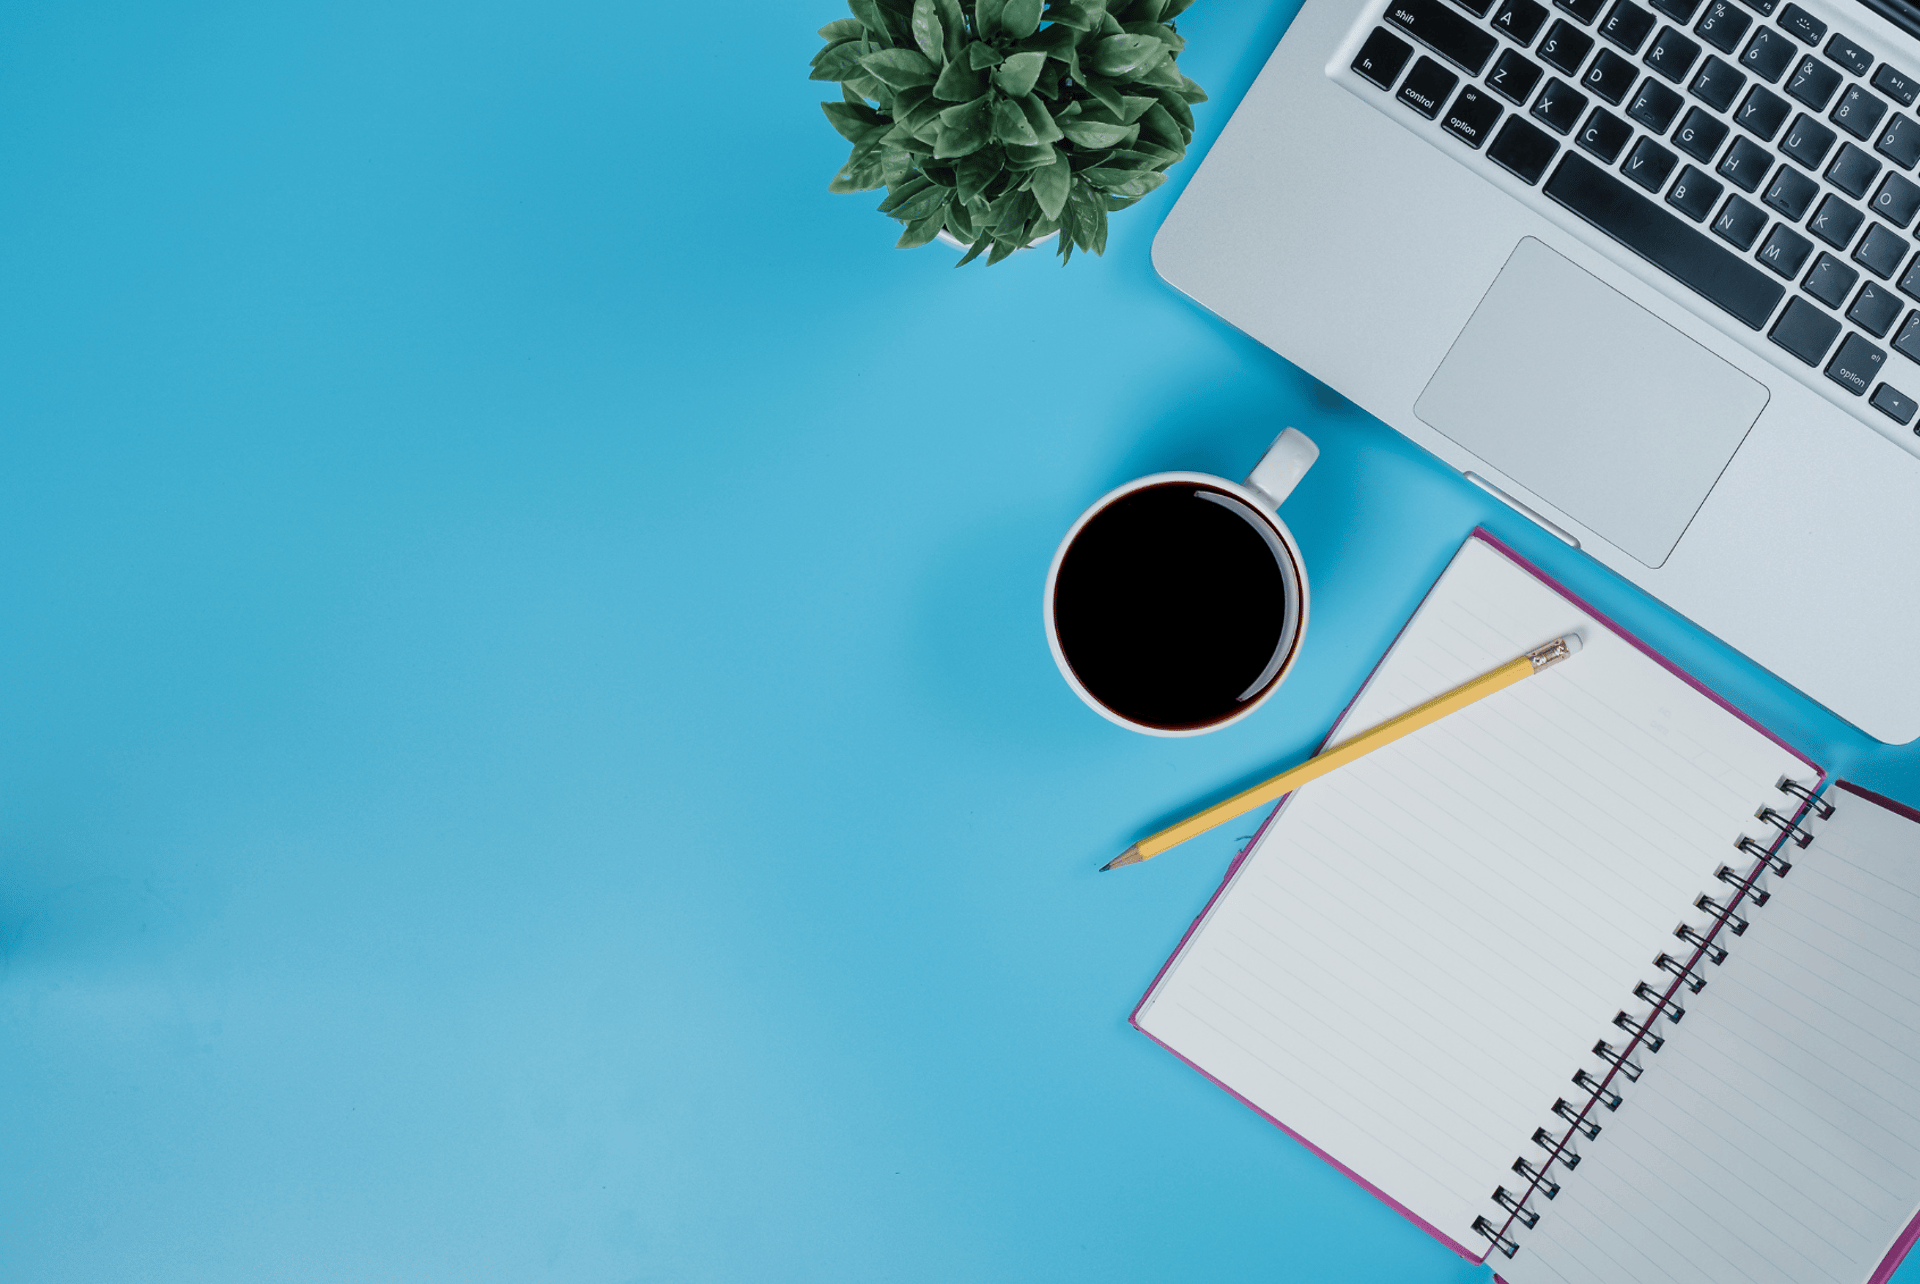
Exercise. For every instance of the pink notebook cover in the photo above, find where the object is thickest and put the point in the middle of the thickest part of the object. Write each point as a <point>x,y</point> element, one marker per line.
<point>1907,1238</point>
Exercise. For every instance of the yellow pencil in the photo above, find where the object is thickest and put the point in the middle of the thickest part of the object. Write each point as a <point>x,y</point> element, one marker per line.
<point>1340,755</point>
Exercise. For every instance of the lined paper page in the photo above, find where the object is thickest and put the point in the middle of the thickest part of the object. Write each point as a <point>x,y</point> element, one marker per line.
<point>1776,1137</point>
<point>1424,946</point>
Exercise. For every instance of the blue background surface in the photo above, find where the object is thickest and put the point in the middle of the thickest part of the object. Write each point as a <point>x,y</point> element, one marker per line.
<point>527,750</point>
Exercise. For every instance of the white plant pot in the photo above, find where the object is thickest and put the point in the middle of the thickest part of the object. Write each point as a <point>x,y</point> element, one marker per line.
<point>948,238</point>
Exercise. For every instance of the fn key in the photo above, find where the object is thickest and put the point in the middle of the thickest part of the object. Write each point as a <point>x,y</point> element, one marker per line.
<point>1382,57</point>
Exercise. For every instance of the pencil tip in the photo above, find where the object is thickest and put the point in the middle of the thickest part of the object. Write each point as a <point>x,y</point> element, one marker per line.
<point>1131,856</point>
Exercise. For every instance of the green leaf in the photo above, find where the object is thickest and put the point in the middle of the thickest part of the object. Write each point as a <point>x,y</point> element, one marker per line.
<point>1050,184</point>
<point>1026,158</point>
<point>838,62</point>
<point>1072,16</point>
<point>972,173</point>
<point>854,178</point>
<point>959,83</point>
<point>1158,125</point>
<point>922,230</point>
<point>1159,31</point>
<point>928,32</point>
<point>1043,124</point>
<point>1127,55</point>
<point>1176,107</point>
<point>1093,133</point>
<point>1122,183</point>
<point>980,56</point>
<point>901,68</point>
<point>851,121</point>
<point>843,29</point>
<point>975,250</point>
<point>1105,93</point>
<point>1149,10</point>
<point>1133,108</point>
<point>1021,18</point>
<point>953,24</point>
<point>1159,75</point>
<point>1017,74</point>
<point>1190,91</point>
<point>868,12</point>
<point>898,196</point>
<point>1174,9</point>
<point>1010,125</point>
<point>986,18</point>
<point>963,130</point>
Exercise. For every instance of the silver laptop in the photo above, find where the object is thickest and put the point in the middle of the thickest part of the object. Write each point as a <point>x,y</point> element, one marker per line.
<point>1644,269</point>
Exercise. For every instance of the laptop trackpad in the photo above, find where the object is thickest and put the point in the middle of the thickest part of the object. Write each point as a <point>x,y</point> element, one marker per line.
<point>1591,402</point>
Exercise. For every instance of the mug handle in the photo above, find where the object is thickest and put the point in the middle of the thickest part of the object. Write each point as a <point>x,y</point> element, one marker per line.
<point>1282,467</point>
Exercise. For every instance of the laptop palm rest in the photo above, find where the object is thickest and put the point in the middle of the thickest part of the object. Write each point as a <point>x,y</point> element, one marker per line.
<point>1591,402</point>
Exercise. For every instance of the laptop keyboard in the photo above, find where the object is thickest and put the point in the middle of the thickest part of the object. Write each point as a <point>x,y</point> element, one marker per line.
<point>1753,153</point>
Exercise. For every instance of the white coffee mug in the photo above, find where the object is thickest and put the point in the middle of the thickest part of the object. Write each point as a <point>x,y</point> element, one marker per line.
<point>1254,501</point>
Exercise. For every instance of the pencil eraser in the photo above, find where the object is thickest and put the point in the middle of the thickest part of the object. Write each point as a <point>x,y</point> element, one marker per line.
<point>1573,642</point>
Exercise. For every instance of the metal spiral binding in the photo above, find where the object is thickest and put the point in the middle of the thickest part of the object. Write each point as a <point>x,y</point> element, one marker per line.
<point>1727,917</point>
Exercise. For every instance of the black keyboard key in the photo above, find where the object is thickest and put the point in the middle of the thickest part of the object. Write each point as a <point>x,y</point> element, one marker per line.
<point>1604,134</point>
<point>1813,82</point>
<point>1672,54</point>
<point>1585,10</point>
<point>1897,85</point>
<point>1835,222</point>
<point>1761,112</point>
<point>1478,8</point>
<point>1472,116</point>
<point>1740,223</point>
<point>1717,84</point>
<point>1849,55</point>
<point>1679,10</point>
<point>1791,193</point>
<point>1768,54</point>
<point>1746,164</point>
<point>1559,106</point>
<point>1610,76</point>
<point>1853,170</point>
<point>1655,105</point>
<point>1784,250</point>
<point>1723,26</point>
<point>1565,47</point>
<point>1856,365</point>
<point>1829,280</point>
<point>1627,25</point>
<point>1513,77</point>
<point>1875,310</point>
<point>1880,251</point>
<point>1427,86</point>
<point>1763,7</point>
<point>1893,403</point>
<point>1694,194</point>
<point>1445,32</point>
<point>1805,331</point>
<point>1521,20</point>
<point>1897,200</point>
<point>1686,253</point>
<point>1899,142</point>
<point>1858,112</point>
<point>1649,164</point>
<point>1907,342</point>
<point>1382,57</point>
<point>1522,150</point>
<point>1798,22</point>
<point>1700,135</point>
<point>1910,283</point>
<point>1808,141</point>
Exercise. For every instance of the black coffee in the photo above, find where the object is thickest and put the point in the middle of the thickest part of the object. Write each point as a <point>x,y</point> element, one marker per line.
<point>1170,606</point>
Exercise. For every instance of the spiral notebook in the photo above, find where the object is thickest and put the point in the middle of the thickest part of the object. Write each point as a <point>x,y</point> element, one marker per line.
<point>1595,979</point>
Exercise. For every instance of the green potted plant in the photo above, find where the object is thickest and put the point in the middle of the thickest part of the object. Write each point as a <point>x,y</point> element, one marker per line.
<point>1000,124</point>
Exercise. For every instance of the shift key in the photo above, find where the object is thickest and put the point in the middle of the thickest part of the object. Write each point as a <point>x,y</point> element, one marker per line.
<point>1445,32</point>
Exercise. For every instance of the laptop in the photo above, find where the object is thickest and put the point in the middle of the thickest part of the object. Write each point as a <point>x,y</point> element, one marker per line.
<point>1646,270</point>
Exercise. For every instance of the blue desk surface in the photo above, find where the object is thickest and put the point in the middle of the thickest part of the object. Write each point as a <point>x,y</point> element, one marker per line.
<point>527,750</point>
